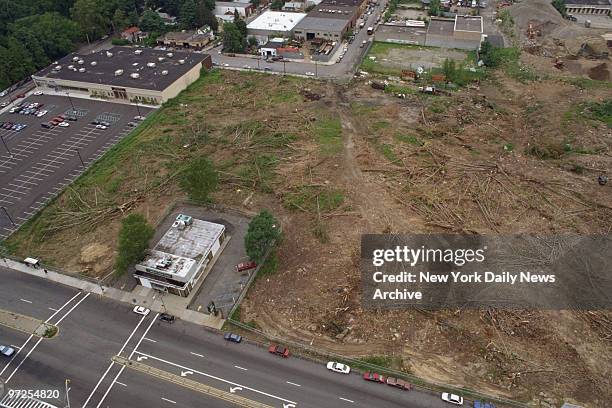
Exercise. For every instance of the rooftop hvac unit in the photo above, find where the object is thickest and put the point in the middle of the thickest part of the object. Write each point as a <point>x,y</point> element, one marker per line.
<point>135,64</point>
<point>81,69</point>
<point>118,72</point>
<point>75,58</point>
<point>70,66</point>
<point>93,63</point>
<point>81,62</point>
<point>161,59</point>
<point>181,61</point>
<point>169,55</point>
<point>57,67</point>
<point>135,75</point>
<point>164,72</point>
<point>151,64</point>
<point>109,54</point>
<point>138,52</point>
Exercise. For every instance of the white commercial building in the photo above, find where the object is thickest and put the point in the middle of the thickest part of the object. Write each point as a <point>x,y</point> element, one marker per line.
<point>273,24</point>
<point>181,256</point>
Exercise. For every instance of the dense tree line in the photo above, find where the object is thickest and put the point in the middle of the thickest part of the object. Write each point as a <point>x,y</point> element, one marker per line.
<point>34,33</point>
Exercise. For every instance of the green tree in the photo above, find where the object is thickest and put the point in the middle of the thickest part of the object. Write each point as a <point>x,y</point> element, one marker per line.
<point>263,232</point>
<point>252,41</point>
<point>434,8</point>
<point>207,17</point>
<point>120,20</point>
<point>242,27</point>
<point>233,40</point>
<point>277,4</point>
<point>134,238</point>
<point>151,21</point>
<point>199,179</point>
<point>255,3</point>
<point>560,6</point>
<point>449,68</point>
<point>91,16</point>
<point>188,15</point>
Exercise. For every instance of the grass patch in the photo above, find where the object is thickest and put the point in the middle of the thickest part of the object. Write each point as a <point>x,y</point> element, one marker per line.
<point>260,171</point>
<point>269,267</point>
<point>410,139</point>
<point>380,125</point>
<point>329,135</point>
<point>597,111</point>
<point>587,83</point>
<point>387,151</point>
<point>310,199</point>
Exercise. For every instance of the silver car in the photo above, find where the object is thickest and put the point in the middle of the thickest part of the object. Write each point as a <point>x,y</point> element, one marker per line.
<point>6,350</point>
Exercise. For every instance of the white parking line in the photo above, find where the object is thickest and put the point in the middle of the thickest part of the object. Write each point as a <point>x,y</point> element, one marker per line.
<point>241,368</point>
<point>167,400</point>
<point>151,340</point>
<point>196,354</point>
<point>347,400</point>
<point>297,385</point>
<point>25,300</point>
<point>121,384</point>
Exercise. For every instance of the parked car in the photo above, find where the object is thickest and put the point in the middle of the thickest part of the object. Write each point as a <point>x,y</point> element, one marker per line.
<point>480,404</point>
<point>374,377</point>
<point>100,127</point>
<point>338,367</point>
<point>233,337</point>
<point>244,266</point>
<point>37,93</point>
<point>46,125</point>
<point>21,95</point>
<point>6,350</point>
<point>452,398</point>
<point>279,350</point>
<point>139,117</point>
<point>165,317</point>
<point>132,124</point>
<point>141,310</point>
<point>72,118</point>
<point>3,104</point>
<point>64,124</point>
<point>397,383</point>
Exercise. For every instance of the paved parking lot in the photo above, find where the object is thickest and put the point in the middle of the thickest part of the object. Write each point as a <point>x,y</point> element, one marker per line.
<point>37,163</point>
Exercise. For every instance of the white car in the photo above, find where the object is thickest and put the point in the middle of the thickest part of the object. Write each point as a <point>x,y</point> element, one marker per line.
<point>100,127</point>
<point>310,73</point>
<point>338,367</point>
<point>139,118</point>
<point>63,124</point>
<point>452,398</point>
<point>141,310</point>
<point>6,351</point>
<point>38,93</point>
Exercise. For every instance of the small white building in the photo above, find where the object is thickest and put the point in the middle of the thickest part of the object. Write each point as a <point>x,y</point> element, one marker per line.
<point>227,8</point>
<point>273,24</point>
<point>181,256</point>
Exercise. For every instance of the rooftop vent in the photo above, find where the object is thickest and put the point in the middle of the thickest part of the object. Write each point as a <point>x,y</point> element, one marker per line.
<point>75,58</point>
<point>151,64</point>
<point>138,52</point>
<point>57,67</point>
<point>70,66</point>
<point>118,72</point>
<point>81,69</point>
<point>135,75</point>
<point>135,64</point>
<point>169,55</point>
<point>80,62</point>
<point>161,59</point>
<point>181,61</point>
<point>93,63</point>
<point>109,54</point>
<point>164,72</point>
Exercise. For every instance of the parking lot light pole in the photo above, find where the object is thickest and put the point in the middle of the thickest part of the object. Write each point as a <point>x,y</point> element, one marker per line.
<point>316,66</point>
<point>284,70</point>
<point>137,107</point>
<point>6,146</point>
<point>80,158</point>
<point>8,216</point>
<point>71,104</point>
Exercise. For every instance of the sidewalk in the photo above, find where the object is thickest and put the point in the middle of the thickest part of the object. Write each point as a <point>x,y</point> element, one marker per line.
<point>139,296</point>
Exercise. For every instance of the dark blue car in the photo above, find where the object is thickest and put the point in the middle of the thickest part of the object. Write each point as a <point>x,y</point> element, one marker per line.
<point>479,404</point>
<point>236,338</point>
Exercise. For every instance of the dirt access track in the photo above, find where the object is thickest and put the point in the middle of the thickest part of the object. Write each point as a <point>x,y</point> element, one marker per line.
<point>333,162</point>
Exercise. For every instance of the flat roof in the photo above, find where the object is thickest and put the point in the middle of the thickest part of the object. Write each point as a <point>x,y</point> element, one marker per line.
<point>194,241</point>
<point>101,67</point>
<point>322,24</point>
<point>356,3</point>
<point>336,12</point>
<point>589,2</point>
<point>468,23</point>
<point>276,21</point>
<point>235,4</point>
<point>175,266</point>
<point>441,27</point>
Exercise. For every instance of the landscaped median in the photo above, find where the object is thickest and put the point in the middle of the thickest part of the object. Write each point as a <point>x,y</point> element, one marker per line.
<point>27,324</point>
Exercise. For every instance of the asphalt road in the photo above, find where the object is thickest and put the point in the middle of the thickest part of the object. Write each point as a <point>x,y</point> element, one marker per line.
<point>93,330</point>
<point>343,69</point>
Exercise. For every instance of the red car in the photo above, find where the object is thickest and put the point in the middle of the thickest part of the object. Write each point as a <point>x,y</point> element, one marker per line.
<point>397,383</point>
<point>245,266</point>
<point>21,96</point>
<point>279,350</point>
<point>375,377</point>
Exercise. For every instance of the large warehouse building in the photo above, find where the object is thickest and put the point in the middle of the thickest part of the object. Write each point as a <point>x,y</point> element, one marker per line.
<point>330,20</point>
<point>142,75</point>
<point>273,24</point>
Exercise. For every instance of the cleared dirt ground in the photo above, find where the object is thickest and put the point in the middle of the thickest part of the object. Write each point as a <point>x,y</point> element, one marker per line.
<point>334,162</point>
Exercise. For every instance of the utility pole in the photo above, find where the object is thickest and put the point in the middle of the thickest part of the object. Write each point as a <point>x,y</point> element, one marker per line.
<point>8,216</point>
<point>71,104</point>
<point>67,389</point>
<point>316,66</point>
<point>6,146</point>
<point>284,70</point>
<point>80,158</point>
<point>137,107</point>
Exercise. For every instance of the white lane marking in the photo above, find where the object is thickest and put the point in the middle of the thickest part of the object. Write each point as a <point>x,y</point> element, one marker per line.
<point>30,338</point>
<point>15,347</point>
<point>113,363</point>
<point>297,385</point>
<point>216,378</point>
<point>151,340</point>
<point>121,384</point>
<point>50,308</point>
<point>347,400</point>
<point>25,300</point>
<point>129,358</point>
<point>241,368</point>
<point>24,359</point>
<point>196,354</point>
<point>167,400</point>
<point>71,309</point>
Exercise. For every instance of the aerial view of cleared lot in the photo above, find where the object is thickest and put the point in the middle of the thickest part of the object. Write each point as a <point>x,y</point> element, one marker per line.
<point>37,162</point>
<point>333,162</point>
